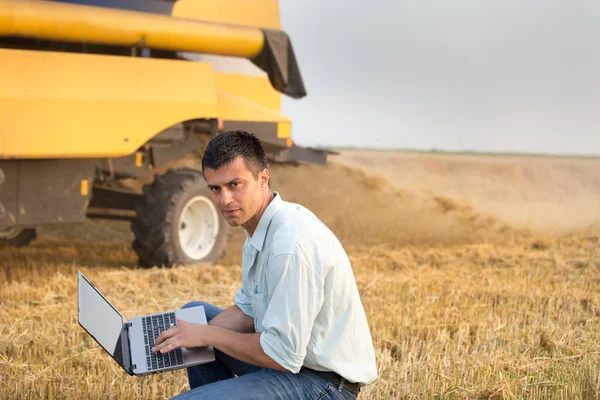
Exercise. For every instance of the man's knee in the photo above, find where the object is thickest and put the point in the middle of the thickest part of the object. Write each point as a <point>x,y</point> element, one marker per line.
<point>210,309</point>
<point>194,304</point>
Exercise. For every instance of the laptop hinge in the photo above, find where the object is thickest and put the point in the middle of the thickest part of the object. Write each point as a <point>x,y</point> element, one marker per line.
<point>129,325</point>
<point>126,348</point>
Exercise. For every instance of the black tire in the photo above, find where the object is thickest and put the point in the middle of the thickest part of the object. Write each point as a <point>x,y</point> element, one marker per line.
<point>156,226</point>
<point>17,237</point>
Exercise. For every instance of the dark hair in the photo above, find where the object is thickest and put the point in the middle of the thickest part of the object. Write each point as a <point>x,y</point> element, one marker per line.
<point>227,146</point>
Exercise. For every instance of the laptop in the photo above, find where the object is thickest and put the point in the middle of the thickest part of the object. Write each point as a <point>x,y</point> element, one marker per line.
<point>130,343</point>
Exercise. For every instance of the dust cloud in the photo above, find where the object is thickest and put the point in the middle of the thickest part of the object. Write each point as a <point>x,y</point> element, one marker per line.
<point>394,199</point>
<point>366,210</point>
<point>543,195</point>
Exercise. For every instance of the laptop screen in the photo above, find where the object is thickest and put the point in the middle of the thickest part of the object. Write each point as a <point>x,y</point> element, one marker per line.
<point>99,318</point>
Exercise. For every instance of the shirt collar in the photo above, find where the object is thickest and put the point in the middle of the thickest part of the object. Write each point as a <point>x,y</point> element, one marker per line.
<point>260,233</point>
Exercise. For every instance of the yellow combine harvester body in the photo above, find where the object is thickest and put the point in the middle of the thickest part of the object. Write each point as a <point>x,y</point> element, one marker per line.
<point>94,92</point>
<point>128,101</point>
<point>98,94</point>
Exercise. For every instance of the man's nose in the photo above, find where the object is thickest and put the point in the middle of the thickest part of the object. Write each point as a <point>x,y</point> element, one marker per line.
<point>226,197</point>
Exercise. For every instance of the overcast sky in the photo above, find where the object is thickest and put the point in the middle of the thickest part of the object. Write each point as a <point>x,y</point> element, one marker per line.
<point>492,75</point>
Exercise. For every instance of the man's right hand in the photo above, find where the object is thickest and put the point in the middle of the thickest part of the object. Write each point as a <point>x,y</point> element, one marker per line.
<point>234,319</point>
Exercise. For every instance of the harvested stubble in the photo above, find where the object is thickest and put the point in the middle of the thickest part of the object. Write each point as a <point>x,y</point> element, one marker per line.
<point>514,318</point>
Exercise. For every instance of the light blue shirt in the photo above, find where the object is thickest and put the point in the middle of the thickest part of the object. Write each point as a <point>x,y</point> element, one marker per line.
<point>298,286</point>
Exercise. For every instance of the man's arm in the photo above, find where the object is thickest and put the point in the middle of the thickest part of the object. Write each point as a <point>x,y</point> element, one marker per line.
<point>234,319</point>
<point>243,346</point>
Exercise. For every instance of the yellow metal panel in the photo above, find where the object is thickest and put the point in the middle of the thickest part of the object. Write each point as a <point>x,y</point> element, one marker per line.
<point>284,130</point>
<point>236,108</point>
<point>261,13</point>
<point>81,23</point>
<point>256,89</point>
<point>84,187</point>
<point>61,105</point>
<point>248,98</point>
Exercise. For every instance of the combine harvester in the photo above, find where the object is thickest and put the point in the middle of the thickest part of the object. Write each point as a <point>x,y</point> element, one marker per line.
<point>104,91</point>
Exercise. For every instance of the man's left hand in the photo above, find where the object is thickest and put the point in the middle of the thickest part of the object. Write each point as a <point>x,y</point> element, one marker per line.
<point>184,334</point>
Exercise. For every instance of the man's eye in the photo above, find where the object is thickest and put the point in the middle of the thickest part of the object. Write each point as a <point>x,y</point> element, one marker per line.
<point>234,184</point>
<point>214,189</point>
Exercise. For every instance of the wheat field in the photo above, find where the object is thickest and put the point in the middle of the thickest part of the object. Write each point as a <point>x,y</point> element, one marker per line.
<point>462,304</point>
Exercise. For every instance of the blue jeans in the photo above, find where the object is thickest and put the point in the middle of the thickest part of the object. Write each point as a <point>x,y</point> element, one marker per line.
<point>227,378</point>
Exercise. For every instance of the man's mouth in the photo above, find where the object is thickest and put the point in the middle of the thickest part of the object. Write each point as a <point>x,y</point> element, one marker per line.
<point>231,213</point>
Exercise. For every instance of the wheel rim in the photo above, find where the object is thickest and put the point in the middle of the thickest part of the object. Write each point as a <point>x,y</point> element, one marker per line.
<point>198,227</point>
<point>10,233</point>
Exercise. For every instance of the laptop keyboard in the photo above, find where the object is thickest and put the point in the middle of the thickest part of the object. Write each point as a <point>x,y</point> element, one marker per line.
<point>153,325</point>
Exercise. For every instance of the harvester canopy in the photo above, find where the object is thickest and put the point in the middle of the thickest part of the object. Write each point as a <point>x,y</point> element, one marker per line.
<point>269,49</point>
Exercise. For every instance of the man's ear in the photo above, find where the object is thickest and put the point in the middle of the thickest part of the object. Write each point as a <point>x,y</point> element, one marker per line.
<point>264,178</point>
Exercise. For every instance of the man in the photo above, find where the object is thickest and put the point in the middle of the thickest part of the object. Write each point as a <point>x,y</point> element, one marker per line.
<point>297,329</point>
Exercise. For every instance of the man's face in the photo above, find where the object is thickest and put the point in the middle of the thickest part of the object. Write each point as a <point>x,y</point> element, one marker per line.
<point>236,191</point>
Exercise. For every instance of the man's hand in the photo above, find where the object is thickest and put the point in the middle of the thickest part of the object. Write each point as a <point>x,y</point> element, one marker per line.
<point>184,334</point>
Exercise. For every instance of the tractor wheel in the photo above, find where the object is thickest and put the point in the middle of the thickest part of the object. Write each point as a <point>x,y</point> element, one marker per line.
<point>14,237</point>
<point>177,223</point>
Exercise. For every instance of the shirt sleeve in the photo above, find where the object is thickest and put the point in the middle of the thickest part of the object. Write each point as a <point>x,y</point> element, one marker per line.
<point>298,294</point>
<point>244,303</point>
